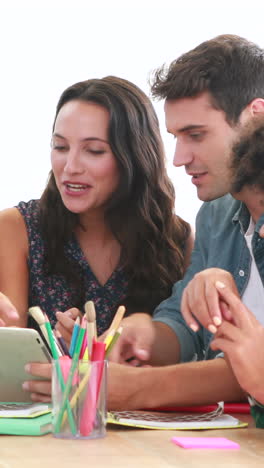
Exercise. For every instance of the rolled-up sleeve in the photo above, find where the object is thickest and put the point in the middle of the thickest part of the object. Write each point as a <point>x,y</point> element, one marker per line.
<point>192,345</point>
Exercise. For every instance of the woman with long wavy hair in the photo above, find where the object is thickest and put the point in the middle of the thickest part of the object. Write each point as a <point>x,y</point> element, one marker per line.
<point>105,228</point>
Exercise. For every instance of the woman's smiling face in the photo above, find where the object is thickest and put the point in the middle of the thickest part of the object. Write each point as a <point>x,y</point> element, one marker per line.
<point>84,167</point>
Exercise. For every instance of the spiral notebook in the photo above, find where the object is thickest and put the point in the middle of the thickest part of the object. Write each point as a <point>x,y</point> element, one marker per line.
<point>35,419</point>
<point>175,421</point>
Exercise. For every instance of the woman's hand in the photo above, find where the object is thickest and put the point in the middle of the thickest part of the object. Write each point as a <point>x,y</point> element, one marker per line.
<point>200,299</point>
<point>40,390</point>
<point>242,341</point>
<point>65,323</point>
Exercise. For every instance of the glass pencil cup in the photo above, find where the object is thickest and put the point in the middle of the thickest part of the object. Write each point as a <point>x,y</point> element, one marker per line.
<point>78,399</point>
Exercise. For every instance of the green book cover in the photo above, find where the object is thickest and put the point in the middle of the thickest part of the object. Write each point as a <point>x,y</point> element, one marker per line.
<point>26,426</point>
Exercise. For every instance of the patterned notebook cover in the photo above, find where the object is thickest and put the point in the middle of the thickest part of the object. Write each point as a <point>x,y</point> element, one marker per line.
<point>177,421</point>
<point>23,410</point>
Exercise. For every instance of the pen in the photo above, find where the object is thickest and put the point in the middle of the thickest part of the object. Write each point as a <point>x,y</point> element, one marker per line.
<point>62,342</point>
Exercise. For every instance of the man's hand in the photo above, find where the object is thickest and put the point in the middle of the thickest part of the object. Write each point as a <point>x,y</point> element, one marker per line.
<point>65,323</point>
<point>134,344</point>
<point>201,300</point>
<point>40,389</point>
<point>242,342</point>
<point>7,311</point>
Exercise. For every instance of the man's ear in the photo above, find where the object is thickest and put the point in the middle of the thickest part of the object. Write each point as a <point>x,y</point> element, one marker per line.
<point>256,107</point>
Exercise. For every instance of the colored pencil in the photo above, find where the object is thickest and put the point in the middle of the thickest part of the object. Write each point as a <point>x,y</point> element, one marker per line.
<point>59,373</point>
<point>117,318</point>
<point>68,385</point>
<point>84,344</point>
<point>62,343</point>
<point>74,337</point>
<point>39,317</point>
<point>90,402</point>
<point>112,343</point>
<point>98,354</point>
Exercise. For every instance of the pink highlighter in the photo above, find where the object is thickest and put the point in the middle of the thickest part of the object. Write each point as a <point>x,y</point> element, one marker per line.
<point>94,384</point>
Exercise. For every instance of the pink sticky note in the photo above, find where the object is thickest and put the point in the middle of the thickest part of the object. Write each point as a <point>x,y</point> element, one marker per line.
<point>205,442</point>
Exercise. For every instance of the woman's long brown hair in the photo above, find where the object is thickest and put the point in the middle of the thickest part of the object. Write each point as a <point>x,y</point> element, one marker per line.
<point>140,213</point>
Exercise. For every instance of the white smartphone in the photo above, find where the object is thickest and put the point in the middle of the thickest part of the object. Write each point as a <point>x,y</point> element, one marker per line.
<point>18,347</point>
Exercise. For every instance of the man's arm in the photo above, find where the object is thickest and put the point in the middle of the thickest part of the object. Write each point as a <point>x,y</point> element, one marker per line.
<point>166,346</point>
<point>174,340</point>
<point>144,340</point>
<point>194,383</point>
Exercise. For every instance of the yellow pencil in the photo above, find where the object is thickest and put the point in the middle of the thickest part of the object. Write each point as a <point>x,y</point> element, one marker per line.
<point>113,341</point>
<point>109,338</point>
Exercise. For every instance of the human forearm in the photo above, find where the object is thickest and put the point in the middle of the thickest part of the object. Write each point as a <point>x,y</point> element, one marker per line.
<point>242,342</point>
<point>192,383</point>
<point>7,311</point>
<point>14,274</point>
<point>166,348</point>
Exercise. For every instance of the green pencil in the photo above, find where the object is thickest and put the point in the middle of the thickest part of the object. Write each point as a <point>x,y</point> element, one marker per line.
<point>59,373</point>
<point>68,385</point>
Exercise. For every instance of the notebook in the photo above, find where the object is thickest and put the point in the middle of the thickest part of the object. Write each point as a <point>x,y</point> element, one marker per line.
<point>175,421</point>
<point>26,426</point>
<point>18,410</point>
<point>25,418</point>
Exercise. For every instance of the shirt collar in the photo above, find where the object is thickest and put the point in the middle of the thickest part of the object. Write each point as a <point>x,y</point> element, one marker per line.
<point>242,216</point>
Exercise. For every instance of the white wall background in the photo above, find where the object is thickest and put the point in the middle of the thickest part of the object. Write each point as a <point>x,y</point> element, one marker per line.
<point>48,45</point>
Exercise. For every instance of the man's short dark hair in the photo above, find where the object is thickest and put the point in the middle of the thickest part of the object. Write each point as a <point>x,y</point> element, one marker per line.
<point>247,162</point>
<point>229,67</point>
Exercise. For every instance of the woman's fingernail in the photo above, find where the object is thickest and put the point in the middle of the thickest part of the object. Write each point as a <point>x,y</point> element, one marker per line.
<point>194,327</point>
<point>27,368</point>
<point>212,328</point>
<point>143,353</point>
<point>13,314</point>
<point>217,321</point>
<point>219,284</point>
<point>25,385</point>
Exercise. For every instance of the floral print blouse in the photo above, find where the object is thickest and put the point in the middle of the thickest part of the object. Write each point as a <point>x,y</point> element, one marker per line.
<point>53,293</point>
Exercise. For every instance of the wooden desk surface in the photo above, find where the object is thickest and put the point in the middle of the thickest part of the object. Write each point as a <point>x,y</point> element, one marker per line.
<point>129,448</point>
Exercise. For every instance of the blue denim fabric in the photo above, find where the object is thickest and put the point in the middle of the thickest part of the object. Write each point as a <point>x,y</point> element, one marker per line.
<point>257,412</point>
<point>220,242</point>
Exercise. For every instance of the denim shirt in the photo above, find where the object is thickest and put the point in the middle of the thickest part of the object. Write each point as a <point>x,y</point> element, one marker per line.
<point>220,243</point>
